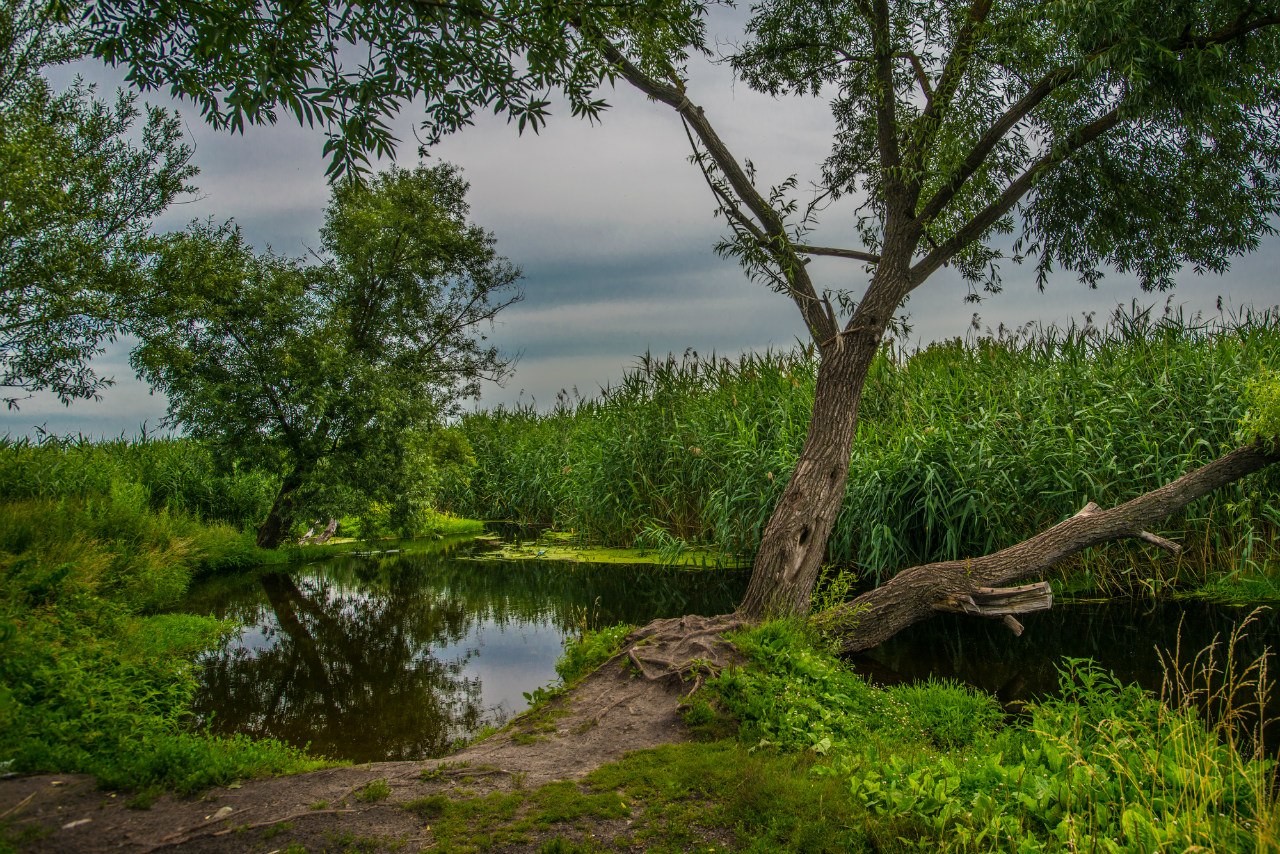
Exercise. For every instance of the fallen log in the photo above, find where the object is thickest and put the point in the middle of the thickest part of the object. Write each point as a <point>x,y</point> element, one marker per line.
<point>918,593</point>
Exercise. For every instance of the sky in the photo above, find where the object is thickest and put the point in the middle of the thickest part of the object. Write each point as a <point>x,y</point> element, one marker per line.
<point>613,229</point>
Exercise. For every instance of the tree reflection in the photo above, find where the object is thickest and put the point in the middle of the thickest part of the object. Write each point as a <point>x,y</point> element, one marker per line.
<point>349,670</point>
<point>368,658</point>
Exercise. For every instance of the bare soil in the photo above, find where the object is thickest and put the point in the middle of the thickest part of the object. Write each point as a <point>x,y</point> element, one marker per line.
<point>630,703</point>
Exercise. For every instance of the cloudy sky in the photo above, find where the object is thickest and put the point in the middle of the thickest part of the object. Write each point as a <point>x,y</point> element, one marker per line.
<point>613,228</point>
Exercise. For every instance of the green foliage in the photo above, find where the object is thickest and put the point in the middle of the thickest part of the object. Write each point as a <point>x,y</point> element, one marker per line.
<point>1132,135</point>
<point>949,714</point>
<point>91,678</point>
<point>1102,761</point>
<point>176,475</point>
<point>332,375</point>
<point>589,650</point>
<point>80,183</point>
<point>1261,421</point>
<point>935,766</point>
<point>452,61</point>
<point>962,447</point>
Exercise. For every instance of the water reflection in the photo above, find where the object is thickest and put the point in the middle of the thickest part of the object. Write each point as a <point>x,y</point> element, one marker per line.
<point>400,656</point>
<point>1121,636</point>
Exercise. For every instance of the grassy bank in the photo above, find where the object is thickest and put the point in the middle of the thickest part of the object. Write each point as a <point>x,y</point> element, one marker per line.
<point>98,543</point>
<point>799,754</point>
<point>962,448</point>
<point>93,676</point>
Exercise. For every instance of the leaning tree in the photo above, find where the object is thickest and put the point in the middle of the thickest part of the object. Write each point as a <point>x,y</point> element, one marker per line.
<point>1137,135</point>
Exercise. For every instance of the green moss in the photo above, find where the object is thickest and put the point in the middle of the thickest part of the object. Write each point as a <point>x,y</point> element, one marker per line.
<point>694,557</point>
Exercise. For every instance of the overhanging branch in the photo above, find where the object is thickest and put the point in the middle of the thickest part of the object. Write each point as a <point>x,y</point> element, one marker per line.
<point>916,593</point>
<point>778,242</point>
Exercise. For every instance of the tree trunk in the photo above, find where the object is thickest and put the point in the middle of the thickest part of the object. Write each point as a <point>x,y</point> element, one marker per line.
<point>275,528</point>
<point>794,541</point>
<point>917,593</point>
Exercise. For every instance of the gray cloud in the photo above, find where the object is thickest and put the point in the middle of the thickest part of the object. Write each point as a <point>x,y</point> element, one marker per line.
<point>613,228</point>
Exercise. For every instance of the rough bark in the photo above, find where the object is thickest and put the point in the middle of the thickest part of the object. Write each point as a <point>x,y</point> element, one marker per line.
<point>275,528</point>
<point>793,545</point>
<point>917,593</point>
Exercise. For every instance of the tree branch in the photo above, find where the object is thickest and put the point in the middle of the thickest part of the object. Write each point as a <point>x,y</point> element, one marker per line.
<point>1036,94</point>
<point>886,108</point>
<point>987,217</point>
<point>914,594</point>
<point>989,140</point>
<point>778,244</point>
<point>921,77</point>
<point>949,81</point>
<point>855,254</point>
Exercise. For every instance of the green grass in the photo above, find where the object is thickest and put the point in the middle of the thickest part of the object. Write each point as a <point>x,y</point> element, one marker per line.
<point>811,758</point>
<point>92,677</point>
<point>962,448</point>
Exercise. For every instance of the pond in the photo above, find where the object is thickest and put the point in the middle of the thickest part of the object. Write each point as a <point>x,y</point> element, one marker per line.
<point>404,656</point>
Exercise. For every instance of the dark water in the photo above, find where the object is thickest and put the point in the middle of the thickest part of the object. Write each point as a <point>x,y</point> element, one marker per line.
<point>1120,636</point>
<point>400,656</point>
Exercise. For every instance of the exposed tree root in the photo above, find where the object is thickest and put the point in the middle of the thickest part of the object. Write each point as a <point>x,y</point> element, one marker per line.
<point>685,649</point>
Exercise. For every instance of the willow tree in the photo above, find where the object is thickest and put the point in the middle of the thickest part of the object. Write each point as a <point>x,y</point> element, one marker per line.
<point>325,371</point>
<point>1135,135</point>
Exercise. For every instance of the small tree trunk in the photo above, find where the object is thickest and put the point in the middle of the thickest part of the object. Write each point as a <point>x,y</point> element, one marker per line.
<point>794,541</point>
<point>275,528</point>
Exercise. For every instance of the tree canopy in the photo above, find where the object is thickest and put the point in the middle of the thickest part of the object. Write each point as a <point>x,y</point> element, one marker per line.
<point>80,182</point>
<point>322,369</point>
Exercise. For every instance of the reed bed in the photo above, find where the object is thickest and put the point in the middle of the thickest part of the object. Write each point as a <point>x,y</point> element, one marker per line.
<point>963,447</point>
<point>177,475</point>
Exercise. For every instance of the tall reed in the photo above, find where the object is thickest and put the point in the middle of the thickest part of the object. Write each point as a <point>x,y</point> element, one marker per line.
<point>962,446</point>
<point>175,474</point>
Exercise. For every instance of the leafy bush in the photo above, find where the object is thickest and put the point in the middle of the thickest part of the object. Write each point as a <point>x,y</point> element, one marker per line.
<point>1261,421</point>
<point>936,766</point>
<point>91,679</point>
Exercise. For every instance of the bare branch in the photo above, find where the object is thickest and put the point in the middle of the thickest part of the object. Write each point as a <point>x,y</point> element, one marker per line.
<point>777,242</point>
<point>855,254</point>
<point>921,77</point>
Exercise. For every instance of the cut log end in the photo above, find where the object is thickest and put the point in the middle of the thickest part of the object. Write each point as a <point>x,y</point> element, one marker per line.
<point>1002,602</point>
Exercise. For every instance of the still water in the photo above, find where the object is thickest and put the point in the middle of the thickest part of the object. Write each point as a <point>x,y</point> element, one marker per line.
<point>1121,636</point>
<point>401,656</point>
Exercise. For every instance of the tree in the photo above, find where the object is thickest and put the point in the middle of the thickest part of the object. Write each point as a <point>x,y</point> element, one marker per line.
<point>320,370</point>
<point>1137,135</point>
<point>77,196</point>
